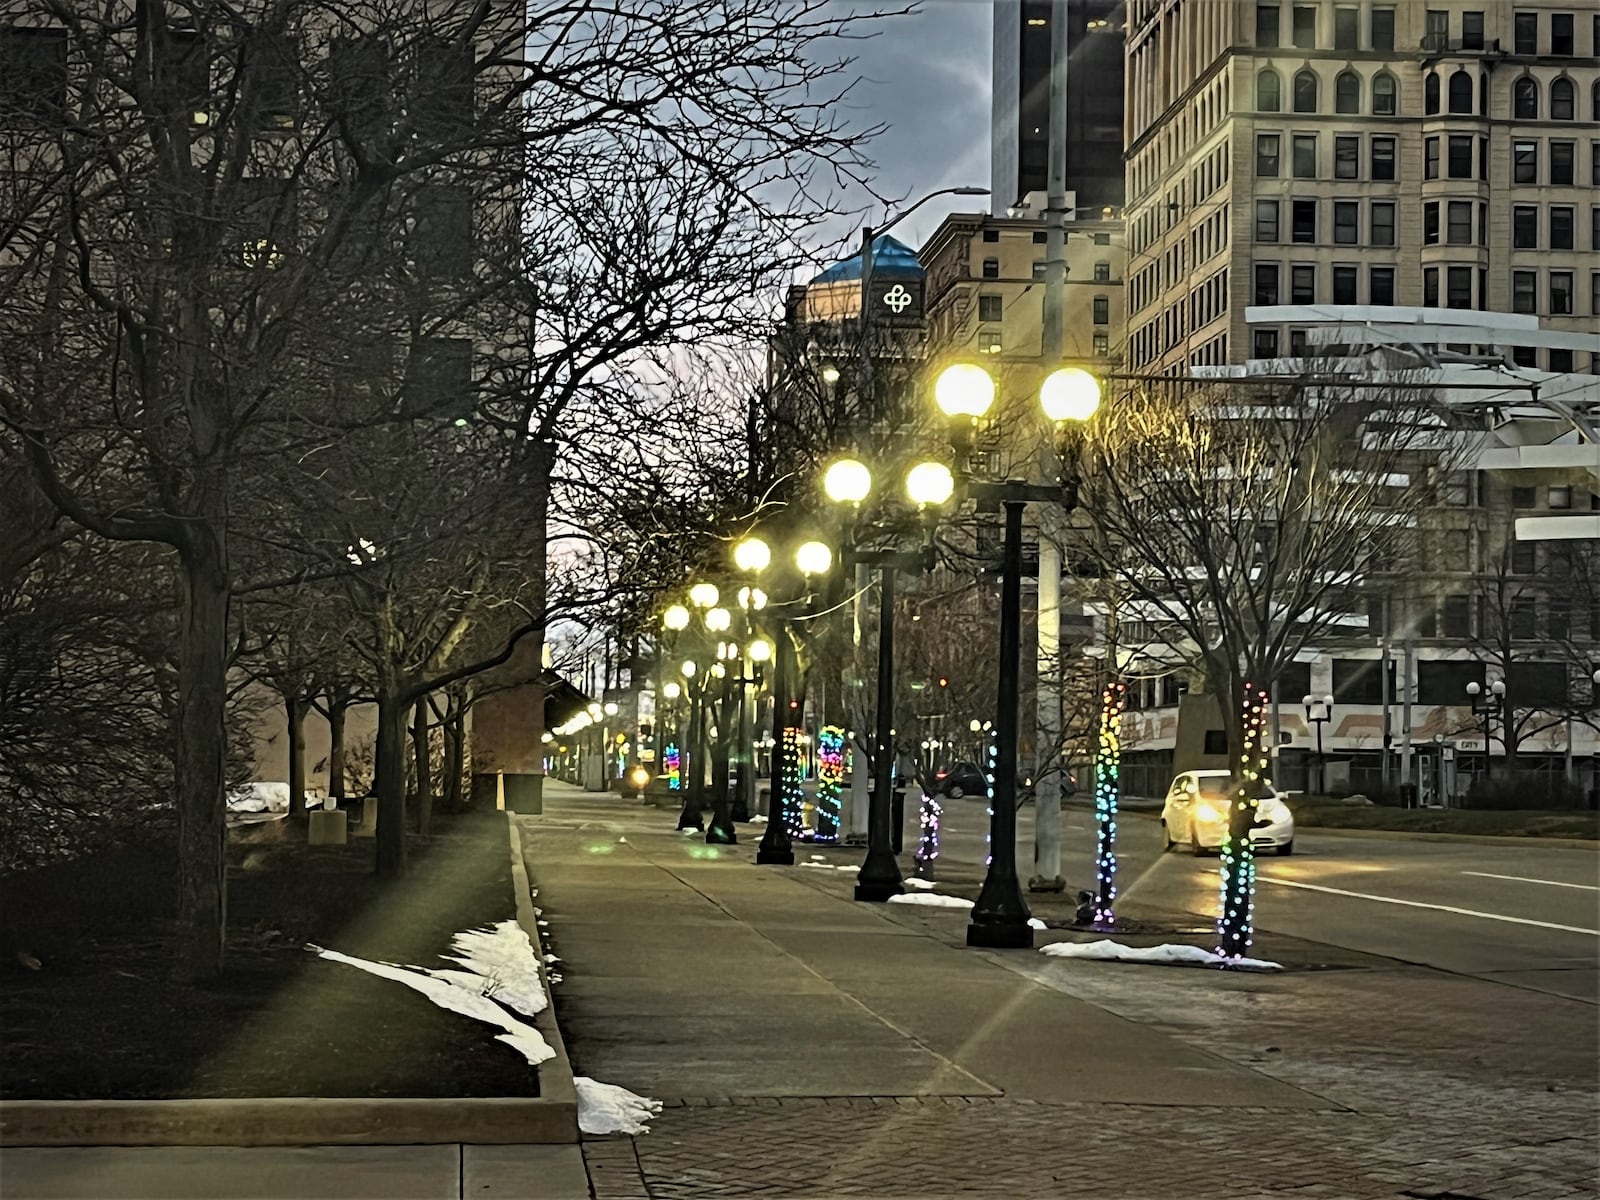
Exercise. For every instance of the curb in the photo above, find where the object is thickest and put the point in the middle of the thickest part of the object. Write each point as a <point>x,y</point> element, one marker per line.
<point>548,1119</point>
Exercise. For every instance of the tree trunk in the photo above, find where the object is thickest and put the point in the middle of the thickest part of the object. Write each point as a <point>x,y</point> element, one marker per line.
<point>455,753</point>
<point>295,708</point>
<point>389,782</point>
<point>424,766</point>
<point>337,705</point>
<point>201,753</point>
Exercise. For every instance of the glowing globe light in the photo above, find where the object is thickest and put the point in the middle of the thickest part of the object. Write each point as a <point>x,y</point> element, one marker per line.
<point>964,390</point>
<point>676,618</point>
<point>704,595</point>
<point>929,484</point>
<point>848,481</point>
<point>718,619</point>
<point>1070,394</point>
<point>813,558</point>
<point>752,555</point>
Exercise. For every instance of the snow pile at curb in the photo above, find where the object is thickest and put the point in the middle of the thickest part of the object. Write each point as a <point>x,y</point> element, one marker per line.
<point>1035,923</point>
<point>924,884</point>
<point>607,1108</point>
<point>1166,956</point>
<point>931,900</point>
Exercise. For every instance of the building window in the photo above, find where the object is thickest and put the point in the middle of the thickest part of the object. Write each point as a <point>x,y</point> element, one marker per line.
<point>1430,158</point>
<point>1039,271</point>
<point>1346,28</point>
<point>1268,97</point>
<point>1525,227</point>
<point>1040,237</point>
<point>991,235</point>
<point>1458,287</point>
<point>1524,619</point>
<point>1102,272</point>
<point>1525,162</point>
<point>1305,155</point>
<point>1305,92</point>
<point>1266,156</point>
<point>988,341</point>
<point>1380,285</point>
<point>439,377</point>
<point>1382,158</point>
<point>1458,230</point>
<point>1559,496</point>
<point>1304,230</point>
<point>990,308</point>
<point>441,232</point>
<point>1460,156</point>
<point>1430,94</point>
<point>1385,95</point>
<point>1560,293</point>
<point>991,268</point>
<point>1561,34</point>
<point>1265,343</point>
<point>1101,239</point>
<point>1266,283</point>
<point>1303,284</point>
<point>1297,343</point>
<point>1594,97</point>
<point>443,105</point>
<point>33,75</point>
<point>1524,555</point>
<point>1456,617</point>
<point>1102,310</point>
<point>1560,362</point>
<point>1267,26</point>
<point>1524,356</point>
<point>1562,223</point>
<point>1563,100</point>
<point>1347,93</point>
<point>1346,223</point>
<point>1461,93</point>
<point>1102,345</point>
<point>1430,223</point>
<point>1472,31</point>
<point>1430,287</point>
<point>1347,158</point>
<point>1563,163</point>
<point>1266,220</point>
<point>1383,29</point>
<point>1525,99</point>
<point>1525,33</point>
<point>1524,291</point>
<point>1305,26</point>
<point>1344,283</point>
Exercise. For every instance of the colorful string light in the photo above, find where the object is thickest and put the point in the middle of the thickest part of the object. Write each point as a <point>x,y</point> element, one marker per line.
<point>1107,792</point>
<point>991,759</point>
<point>673,760</point>
<point>929,813</point>
<point>830,782</point>
<point>791,795</point>
<point>1236,914</point>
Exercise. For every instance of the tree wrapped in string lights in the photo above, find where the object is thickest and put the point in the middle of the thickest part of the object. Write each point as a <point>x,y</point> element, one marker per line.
<point>830,781</point>
<point>1107,793</point>
<point>1237,907</point>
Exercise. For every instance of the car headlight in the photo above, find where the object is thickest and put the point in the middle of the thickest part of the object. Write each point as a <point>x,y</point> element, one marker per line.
<point>1206,812</point>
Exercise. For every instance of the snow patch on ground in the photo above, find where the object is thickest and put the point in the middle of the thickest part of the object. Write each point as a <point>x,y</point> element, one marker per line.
<point>758,819</point>
<point>923,884</point>
<point>931,900</point>
<point>259,797</point>
<point>1166,956</point>
<point>1035,923</point>
<point>502,955</point>
<point>607,1108</point>
<point>449,994</point>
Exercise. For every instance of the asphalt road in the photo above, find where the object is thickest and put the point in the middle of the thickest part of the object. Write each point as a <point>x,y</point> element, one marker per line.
<point>1523,914</point>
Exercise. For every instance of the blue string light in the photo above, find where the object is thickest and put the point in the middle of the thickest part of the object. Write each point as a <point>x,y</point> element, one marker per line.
<point>1107,792</point>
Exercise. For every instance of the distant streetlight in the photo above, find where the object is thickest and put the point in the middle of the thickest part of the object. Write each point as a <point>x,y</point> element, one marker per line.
<point>676,618</point>
<point>752,555</point>
<point>847,481</point>
<point>813,558</point>
<point>704,595</point>
<point>718,620</point>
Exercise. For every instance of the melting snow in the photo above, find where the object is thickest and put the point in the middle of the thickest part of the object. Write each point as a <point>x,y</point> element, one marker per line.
<point>1035,923</point>
<point>924,884</point>
<point>931,900</point>
<point>503,957</point>
<point>607,1108</point>
<point>1167,955</point>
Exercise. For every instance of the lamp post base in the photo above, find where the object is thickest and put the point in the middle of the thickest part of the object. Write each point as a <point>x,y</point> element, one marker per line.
<point>1000,937</point>
<point>719,835</point>
<point>879,878</point>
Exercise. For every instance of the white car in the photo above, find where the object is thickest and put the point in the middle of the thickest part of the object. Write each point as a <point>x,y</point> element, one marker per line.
<point>1196,812</point>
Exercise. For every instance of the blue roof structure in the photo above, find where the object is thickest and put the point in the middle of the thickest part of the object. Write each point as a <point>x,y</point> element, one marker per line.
<point>891,259</point>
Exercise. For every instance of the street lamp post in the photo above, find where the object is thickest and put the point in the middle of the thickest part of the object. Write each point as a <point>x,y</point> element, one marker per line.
<point>964,393</point>
<point>1486,707</point>
<point>1319,713</point>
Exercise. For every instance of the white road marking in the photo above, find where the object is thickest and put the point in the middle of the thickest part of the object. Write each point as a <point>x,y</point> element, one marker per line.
<point>1588,887</point>
<point>1465,912</point>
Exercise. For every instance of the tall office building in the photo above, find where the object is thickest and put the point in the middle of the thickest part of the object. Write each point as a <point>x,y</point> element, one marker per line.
<point>1310,161</point>
<point>1091,124</point>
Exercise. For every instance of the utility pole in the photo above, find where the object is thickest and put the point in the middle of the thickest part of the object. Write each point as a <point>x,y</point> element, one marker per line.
<point>1047,774</point>
<point>860,771</point>
<point>1386,682</point>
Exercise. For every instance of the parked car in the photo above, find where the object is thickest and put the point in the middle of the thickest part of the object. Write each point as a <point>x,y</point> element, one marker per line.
<point>1196,812</point>
<point>960,779</point>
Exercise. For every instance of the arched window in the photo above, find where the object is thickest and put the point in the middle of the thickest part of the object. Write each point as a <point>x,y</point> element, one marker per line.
<point>1383,95</point>
<point>1347,92</point>
<point>1305,92</point>
<point>1594,101</point>
<point>1563,100</point>
<point>1267,96</point>
<point>1525,99</point>
<point>1430,94</point>
<point>1461,93</point>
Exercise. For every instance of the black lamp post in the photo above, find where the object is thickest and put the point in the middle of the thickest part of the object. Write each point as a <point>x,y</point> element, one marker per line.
<point>964,393</point>
<point>1319,713</point>
<point>1486,706</point>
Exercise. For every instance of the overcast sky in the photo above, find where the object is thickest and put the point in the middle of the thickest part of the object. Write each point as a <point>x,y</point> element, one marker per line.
<point>927,76</point>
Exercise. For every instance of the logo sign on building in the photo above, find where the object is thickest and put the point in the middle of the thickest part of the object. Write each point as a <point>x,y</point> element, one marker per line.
<point>897,300</point>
